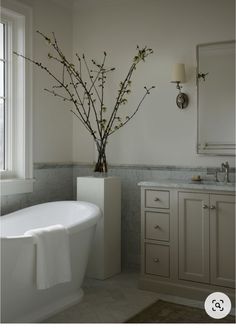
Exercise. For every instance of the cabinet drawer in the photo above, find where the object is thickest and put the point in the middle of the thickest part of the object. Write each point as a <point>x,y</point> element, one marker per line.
<point>157,260</point>
<point>157,226</point>
<point>157,198</point>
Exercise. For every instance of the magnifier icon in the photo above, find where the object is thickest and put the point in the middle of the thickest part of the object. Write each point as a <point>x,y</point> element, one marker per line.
<point>217,305</point>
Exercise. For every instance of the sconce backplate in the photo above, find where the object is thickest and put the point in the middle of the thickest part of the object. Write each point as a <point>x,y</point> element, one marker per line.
<point>182,100</point>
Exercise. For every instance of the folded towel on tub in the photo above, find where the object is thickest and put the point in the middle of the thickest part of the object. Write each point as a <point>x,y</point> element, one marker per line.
<point>52,255</point>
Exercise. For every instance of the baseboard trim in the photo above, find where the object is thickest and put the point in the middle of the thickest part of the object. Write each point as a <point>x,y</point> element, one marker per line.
<point>191,292</point>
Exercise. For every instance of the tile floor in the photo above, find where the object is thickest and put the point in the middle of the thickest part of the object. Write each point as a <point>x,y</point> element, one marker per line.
<point>114,300</point>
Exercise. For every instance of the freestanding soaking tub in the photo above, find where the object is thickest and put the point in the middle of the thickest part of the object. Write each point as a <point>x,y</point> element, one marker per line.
<point>21,301</point>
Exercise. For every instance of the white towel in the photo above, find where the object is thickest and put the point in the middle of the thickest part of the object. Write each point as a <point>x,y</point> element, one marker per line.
<point>52,255</point>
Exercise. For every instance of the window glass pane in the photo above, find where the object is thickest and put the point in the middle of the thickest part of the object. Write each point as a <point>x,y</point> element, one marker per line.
<point>2,79</point>
<point>1,41</point>
<point>2,139</point>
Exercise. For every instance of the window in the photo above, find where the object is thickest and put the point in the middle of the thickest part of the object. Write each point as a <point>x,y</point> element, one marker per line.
<point>15,99</point>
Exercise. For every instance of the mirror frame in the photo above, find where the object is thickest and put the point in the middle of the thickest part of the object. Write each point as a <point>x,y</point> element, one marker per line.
<point>211,149</point>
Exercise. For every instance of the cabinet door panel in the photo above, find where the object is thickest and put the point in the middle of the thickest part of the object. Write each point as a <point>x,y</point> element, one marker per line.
<point>194,237</point>
<point>222,240</point>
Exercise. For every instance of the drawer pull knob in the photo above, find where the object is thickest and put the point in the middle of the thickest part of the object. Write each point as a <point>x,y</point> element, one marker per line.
<point>204,206</point>
<point>156,260</point>
<point>212,207</point>
<point>157,199</point>
<point>157,227</point>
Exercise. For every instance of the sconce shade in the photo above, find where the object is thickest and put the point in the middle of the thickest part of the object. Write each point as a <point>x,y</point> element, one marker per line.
<point>178,73</point>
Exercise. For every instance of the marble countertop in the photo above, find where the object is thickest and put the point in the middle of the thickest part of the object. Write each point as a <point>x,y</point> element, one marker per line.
<point>189,184</point>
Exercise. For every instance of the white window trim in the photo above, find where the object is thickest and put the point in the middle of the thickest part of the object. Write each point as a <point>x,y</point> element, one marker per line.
<point>19,176</point>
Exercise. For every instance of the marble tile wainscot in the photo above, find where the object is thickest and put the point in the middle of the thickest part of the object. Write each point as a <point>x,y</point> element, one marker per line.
<point>53,182</point>
<point>57,181</point>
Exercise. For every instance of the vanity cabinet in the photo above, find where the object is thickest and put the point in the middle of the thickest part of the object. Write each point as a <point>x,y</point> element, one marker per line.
<point>206,238</point>
<point>187,241</point>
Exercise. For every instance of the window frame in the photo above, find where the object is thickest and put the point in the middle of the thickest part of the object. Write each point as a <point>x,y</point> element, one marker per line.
<point>3,97</point>
<point>18,174</point>
<point>8,104</point>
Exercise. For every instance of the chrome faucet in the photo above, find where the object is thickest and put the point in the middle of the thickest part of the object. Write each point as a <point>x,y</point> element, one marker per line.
<point>225,168</point>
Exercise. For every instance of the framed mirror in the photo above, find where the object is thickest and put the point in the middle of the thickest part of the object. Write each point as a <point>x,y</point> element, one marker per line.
<point>216,98</point>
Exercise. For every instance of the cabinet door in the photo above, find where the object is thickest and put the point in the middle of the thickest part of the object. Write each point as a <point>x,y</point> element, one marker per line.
<point>194,237</point>
<point>222,240</point>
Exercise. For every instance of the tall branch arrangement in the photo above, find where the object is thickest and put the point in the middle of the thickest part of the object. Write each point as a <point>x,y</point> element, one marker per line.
<point>83,84</point>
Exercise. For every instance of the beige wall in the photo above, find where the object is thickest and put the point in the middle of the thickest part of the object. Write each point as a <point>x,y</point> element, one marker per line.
<point>160,133</point>
<point>52,121</point>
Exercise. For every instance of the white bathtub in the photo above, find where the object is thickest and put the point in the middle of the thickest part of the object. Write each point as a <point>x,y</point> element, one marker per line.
<point>21,301</point>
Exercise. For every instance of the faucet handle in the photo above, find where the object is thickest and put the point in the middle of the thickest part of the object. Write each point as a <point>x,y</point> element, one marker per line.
<point>225,165</point>
<point>225,168</point>
<point>216,176</point>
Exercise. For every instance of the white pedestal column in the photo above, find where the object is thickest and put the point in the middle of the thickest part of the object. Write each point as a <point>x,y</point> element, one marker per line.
<point>105,257</point>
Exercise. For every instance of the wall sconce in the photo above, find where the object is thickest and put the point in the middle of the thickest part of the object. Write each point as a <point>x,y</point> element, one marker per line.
<point>202,76</point>
<point>178,76</point>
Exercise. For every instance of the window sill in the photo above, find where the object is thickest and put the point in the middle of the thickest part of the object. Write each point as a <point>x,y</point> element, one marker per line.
<point>16,186</point>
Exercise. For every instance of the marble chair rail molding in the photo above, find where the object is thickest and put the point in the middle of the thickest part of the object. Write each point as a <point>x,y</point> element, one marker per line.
<point>47,165</point>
